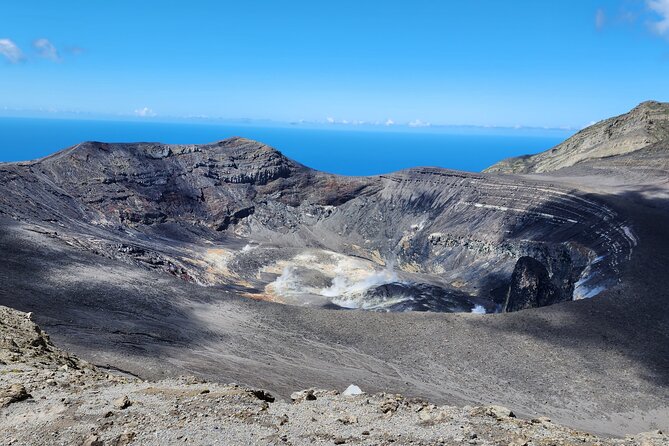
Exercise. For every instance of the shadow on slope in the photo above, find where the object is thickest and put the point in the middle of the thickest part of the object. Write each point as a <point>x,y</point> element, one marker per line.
<point>630,319</point>
<point>89,301</point>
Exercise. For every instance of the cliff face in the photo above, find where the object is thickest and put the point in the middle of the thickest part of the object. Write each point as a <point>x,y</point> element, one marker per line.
<point>645,125</point>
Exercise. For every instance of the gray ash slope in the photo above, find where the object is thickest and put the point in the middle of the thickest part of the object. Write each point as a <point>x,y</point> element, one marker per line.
<point>238,213</point>
<point>63,400</point>
<point>92,267</point>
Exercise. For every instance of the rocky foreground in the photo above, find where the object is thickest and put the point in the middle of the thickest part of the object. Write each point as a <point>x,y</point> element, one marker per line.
<point>50,397</point>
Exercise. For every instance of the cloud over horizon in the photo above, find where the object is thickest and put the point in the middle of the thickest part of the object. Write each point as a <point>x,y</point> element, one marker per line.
<point>46,50</point>
<point>10,51</point>
<point>145,112</point>
<point>418,123</point>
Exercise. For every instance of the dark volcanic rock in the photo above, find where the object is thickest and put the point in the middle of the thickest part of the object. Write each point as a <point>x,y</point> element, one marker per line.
<point>418,297</point>
<point>531,287</point>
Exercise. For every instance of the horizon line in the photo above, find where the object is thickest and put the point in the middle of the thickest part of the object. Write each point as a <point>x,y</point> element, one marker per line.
<point>328,123</point>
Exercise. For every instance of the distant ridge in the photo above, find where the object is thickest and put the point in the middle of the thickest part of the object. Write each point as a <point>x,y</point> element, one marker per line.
<point>645,125</point>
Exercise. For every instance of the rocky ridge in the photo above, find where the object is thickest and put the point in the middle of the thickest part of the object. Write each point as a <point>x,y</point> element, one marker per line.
<point>51,397</point>
<point>645,126</point>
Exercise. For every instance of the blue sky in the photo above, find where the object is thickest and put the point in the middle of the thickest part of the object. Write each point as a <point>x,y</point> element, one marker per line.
<point>476,62</point>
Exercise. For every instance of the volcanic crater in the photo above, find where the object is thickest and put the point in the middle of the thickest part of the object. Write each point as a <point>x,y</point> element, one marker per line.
<point>237,214</point>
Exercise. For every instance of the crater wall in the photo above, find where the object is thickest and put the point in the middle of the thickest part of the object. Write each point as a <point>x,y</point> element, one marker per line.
<point>239,214</point>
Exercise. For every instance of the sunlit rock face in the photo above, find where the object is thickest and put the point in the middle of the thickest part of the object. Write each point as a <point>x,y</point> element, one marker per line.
<point>239,214</point>
<point>641,128</point>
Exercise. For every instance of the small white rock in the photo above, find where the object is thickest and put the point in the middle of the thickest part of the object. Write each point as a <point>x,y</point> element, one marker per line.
<point>352,390</point>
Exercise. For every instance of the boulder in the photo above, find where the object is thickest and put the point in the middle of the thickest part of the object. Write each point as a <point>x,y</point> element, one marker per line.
<point>124,439</point>
<point>303,395</point>
<point>13,394</point>
<point>122,403</point>
<point>352,390</point>
<point>499,412</point>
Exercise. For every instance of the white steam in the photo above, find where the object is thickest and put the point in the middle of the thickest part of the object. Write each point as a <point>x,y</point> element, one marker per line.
<point>344,285</point>
<point>349,279</point>
<point>478,309</point>
<point>288,282</point>
<point>350,291</point>
<point>248,248</point>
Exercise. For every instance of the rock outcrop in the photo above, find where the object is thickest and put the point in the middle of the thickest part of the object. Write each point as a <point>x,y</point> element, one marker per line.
<point>531,287</point>
<point>646,125</point>
<point>22,341</point>
<point>13,394</point>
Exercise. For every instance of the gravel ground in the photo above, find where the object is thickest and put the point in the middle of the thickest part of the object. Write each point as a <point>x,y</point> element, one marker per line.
<point>48,397</point>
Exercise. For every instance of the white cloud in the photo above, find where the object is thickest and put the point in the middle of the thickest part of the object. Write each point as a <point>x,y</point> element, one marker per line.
<point>331,120</point>
<point>10,51</point>
<point>418,123</point>
<point>390,122</point>
<point>661,8</point>
<point>600,19</point>
<point>46,50</point>
<point>145,112</point>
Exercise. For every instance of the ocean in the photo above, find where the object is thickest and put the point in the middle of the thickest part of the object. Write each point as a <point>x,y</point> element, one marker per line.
<point>335,149</point>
